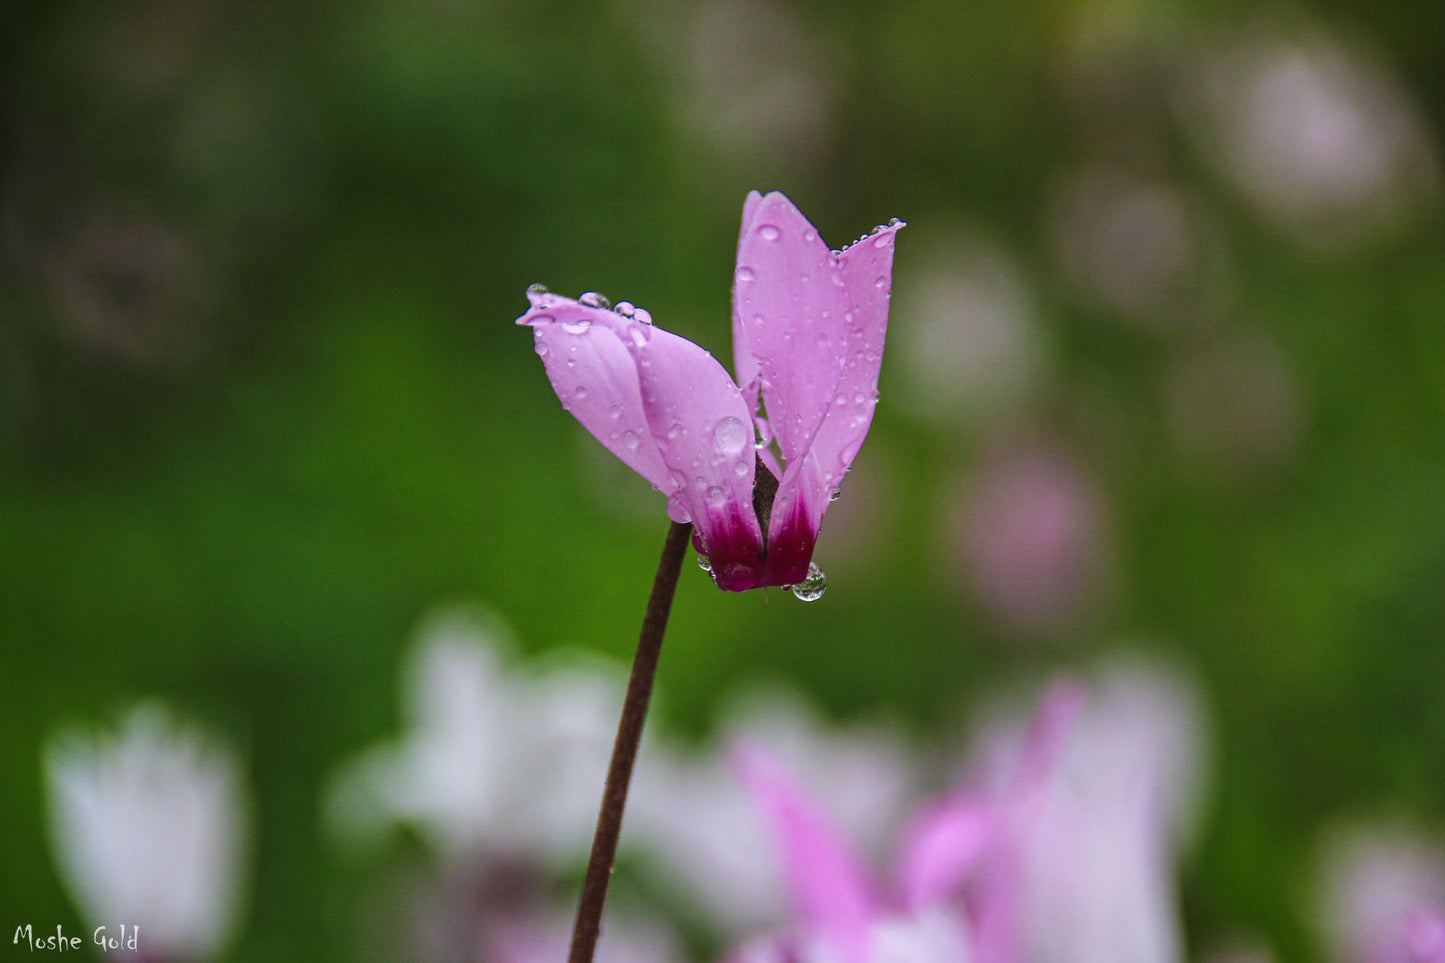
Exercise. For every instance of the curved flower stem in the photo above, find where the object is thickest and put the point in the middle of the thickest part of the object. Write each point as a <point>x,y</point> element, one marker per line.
<point>624,750</point>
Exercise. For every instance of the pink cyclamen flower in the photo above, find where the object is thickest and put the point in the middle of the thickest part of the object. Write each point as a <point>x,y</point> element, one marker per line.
<point>808,330</point>
<point>956,894</point>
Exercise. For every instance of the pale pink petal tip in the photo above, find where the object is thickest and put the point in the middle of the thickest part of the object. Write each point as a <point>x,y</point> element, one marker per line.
<point>824,875</point>
<point>942,849</point>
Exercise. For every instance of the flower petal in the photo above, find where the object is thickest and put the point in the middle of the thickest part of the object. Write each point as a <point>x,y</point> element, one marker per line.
<point>585,350</point>
<point>790,300</point>
<point>745,366</point>
<point>703,432</point>
<point>943,847</point>
<point>825,877</point>
<point>808,484</point>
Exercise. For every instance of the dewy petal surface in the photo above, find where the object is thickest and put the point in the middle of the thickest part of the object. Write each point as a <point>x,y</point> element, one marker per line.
<point>791,301</point>
<point>745,366</point>
<point>591,367</point>
<point>704,435</point>
<point>808,485</point>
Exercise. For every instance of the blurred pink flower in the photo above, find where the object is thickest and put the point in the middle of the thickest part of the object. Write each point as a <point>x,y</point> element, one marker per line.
<point>962,847</point>
<point>1095,869</point>
<point>1384,897</point>
<point>808,331</point>
<point>1034,541</point>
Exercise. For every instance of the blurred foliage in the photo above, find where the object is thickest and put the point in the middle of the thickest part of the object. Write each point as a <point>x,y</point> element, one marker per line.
<point>262,403</point>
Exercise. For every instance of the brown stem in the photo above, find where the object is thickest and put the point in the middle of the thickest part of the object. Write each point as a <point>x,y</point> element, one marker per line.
<point>624,750</point>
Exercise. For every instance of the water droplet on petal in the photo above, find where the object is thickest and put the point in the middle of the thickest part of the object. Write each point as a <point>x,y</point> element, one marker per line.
<point>541,348</point>
<point>811,588</point>
<point>576,327</point>
<point>704,563</point>
<point>595,300</point>
<point>581,392</point>
<point>642,316</point>
<point>677,509</point>
<point>630,441</point>
<point>536,291</point>
<point>716,497</point>
<point>769,232</point>
<point>881,282</point>
<point>836,494</point>
<point>810,235</point>
<point>745,273</point>
<point>741,469</point>
<point>883,240</point>
<point>615,412</point>
<point>848,454</point>
<point>625,308</point>
<point>840,400</point>
<point>731,435</point>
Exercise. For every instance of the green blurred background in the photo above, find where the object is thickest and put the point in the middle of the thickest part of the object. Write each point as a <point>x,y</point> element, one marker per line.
<point>262,402</point>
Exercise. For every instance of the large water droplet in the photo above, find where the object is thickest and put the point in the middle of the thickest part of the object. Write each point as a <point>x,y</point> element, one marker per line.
<point>731,435</point>
<point>716,497</point>
<point>704,563</point>
<point>626,308</point>
<point>630,441</point>
<point>812,588</point>
<point>642,316</point>
<point>769,232</point>
<point>576,327</point>
<point>595,300</point>
<point>535,291</point>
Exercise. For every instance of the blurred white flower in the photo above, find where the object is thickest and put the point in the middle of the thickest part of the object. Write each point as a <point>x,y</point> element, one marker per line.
<point>748,76</point>
<point>1098,863</point>
<point>701,831</point>
<point>1137,247</point>
<point>1383,896</point>
<point>972,346</point>
<point>1325,142</point>
<point>150,827</point>
<point>628,939</point>
<point>496,760</point>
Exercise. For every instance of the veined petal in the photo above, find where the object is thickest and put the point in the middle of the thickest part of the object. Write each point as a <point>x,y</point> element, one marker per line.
<point>856,341</point>
<point>790,300</point>
<point>703,431</point>
<point>745,366</point>
<point>586,352</point>
<point>825,877</point>
<point>868,277</point>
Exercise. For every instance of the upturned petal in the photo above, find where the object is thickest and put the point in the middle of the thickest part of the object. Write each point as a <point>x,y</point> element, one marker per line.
<point>592,370</point>
<point>824,875</point>
<point>669,411</point>
<point>703,433</point>
<point>790,300</point>
<point>816,351</point>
